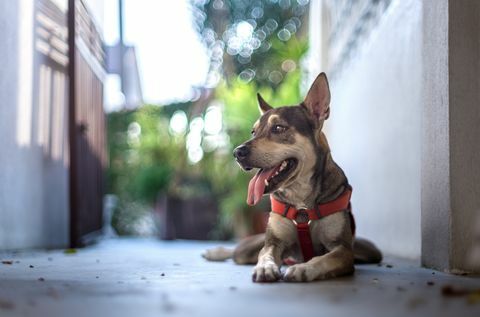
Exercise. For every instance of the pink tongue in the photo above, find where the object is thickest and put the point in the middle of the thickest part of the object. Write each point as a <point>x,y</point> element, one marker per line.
<point>256,187</point>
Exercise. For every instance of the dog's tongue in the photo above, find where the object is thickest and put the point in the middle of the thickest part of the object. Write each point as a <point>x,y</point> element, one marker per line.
<point>256,187</point>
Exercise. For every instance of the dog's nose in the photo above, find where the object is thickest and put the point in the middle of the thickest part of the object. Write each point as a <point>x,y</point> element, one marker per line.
<point>241,151</point>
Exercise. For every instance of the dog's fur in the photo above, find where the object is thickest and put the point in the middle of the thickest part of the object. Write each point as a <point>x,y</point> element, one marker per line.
<point>295,134</point>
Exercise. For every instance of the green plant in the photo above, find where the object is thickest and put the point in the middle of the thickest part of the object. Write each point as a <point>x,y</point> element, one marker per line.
<point>141,153</point>
<point>147,160</point>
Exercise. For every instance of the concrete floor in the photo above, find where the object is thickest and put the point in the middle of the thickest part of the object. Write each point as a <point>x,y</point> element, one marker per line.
<point>141,277</point>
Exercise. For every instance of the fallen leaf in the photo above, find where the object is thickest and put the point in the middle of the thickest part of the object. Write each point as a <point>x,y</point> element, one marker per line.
<point>472,295</point>
<point>7,262</point>
<point>474,298</point>
<point>6,304</point>
<point>450,291</point>
<point>70,251</point>
<point>416,302</point>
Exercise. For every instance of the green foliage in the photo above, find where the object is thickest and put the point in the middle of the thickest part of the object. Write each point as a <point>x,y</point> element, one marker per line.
<point>146,160</point>
<point>252,39</point>
<point>143,156</point>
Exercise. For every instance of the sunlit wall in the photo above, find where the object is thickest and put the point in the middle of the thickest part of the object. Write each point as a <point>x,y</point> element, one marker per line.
<point>34,208</point>
<point>374,127</point>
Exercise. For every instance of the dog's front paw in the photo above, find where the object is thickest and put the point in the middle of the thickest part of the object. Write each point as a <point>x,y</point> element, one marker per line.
<point>299,273</point>
<point>264,273</point>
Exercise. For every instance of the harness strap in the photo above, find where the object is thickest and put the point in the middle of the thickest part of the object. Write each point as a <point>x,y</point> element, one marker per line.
<point>305,239</point>
<point>302,218</point>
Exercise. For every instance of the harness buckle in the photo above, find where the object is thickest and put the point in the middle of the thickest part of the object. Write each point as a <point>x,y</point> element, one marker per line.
<point>301,217</point>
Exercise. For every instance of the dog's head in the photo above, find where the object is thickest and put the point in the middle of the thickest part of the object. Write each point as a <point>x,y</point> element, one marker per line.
<point>285,144</point>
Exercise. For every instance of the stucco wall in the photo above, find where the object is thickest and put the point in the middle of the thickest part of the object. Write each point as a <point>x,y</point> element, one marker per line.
<point>375,129</point>
<point>451,125</point>
<point>33,187</point>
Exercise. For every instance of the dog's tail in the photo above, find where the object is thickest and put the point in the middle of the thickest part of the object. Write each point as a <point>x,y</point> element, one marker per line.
<point>365,252</point>
<point>218,254</point>
<point>246,252</point>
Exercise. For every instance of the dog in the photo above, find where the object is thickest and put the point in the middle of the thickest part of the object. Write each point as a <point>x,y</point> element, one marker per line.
<point>311,225</point>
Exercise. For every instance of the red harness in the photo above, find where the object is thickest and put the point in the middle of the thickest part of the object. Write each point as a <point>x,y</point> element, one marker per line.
<point>302,218</point>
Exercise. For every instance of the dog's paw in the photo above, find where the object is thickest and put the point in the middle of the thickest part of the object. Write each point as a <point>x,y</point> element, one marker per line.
<point>299,273</point>
<point>217,254</point>
<point>264,273</point>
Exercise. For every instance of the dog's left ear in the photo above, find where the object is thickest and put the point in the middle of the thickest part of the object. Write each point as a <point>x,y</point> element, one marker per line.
<point>263,106</point>
<point>318,98</point>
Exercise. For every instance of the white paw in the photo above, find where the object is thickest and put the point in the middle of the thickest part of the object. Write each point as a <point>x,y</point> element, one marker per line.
<point>267,272</point>
<point>299,273</point>
<point>217,254</point>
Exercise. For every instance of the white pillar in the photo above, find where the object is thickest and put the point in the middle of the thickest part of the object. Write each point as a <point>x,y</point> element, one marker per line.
<point>451,135</point>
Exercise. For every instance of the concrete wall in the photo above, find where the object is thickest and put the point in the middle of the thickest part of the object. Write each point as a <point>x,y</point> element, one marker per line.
<point>375,126</point>
<point>464,75</point>
<point>33,183</point>
<point>451,147</point>
<point>405,122</point>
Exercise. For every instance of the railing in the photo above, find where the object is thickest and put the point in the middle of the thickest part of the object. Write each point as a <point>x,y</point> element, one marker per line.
<point>350,23</point>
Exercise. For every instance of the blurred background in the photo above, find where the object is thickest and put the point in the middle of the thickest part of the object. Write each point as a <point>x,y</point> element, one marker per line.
<point>170,150</point>
<point>118,117</point>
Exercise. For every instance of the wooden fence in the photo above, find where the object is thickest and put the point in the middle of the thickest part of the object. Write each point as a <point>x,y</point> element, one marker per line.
<point>88,154</point>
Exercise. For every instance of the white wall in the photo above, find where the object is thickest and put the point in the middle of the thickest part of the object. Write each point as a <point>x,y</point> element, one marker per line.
<point>451,129</point>
<point>33,184</point>
<point>375,129</point>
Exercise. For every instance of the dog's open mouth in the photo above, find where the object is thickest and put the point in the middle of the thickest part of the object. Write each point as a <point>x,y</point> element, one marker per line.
<point>267,179</point>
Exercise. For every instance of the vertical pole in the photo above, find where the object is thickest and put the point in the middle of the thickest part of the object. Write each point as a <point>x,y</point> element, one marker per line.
<point>121,43</point>
<point>72,124</point>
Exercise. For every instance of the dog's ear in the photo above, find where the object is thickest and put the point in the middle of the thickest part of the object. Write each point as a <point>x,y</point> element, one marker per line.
<point>263,106</point>
<point>318,98</point>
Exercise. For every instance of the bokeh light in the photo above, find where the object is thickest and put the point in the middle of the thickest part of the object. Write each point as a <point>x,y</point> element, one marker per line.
<point>178,123</point>
<point>213,120</point>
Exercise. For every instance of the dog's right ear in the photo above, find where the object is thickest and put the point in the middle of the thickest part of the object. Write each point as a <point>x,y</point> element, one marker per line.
<point>317,101</point>
<point>263,106</point>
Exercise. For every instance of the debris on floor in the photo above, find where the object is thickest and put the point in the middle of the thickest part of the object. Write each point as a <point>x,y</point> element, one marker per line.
<point>126,276</point>
<point>6,304</point>
<point>472,295</point>
<point>70,251</point>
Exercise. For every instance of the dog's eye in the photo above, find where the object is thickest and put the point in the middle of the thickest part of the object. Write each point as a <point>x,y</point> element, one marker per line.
<point>253,132</point>
<point>278,128</point>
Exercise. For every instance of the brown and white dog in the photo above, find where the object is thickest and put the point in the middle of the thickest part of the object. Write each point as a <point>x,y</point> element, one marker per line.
<point>296,168</point>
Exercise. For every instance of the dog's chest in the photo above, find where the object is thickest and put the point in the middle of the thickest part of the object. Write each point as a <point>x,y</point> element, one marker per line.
<point>326,233</point>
